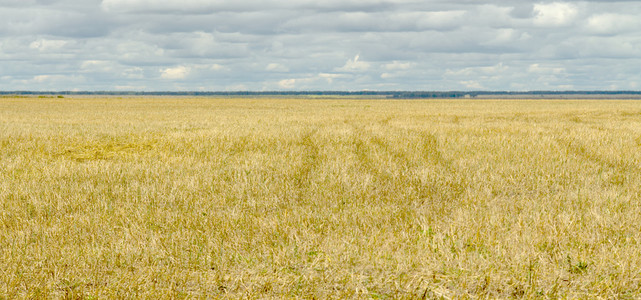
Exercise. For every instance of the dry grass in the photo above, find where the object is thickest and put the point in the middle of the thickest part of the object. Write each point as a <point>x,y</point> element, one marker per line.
<point>229,198</point>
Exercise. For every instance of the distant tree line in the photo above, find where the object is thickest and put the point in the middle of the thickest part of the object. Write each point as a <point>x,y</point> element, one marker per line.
<point>378,94</point>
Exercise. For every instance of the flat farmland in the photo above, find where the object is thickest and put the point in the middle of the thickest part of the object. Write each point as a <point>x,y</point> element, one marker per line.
<point>165,197</point>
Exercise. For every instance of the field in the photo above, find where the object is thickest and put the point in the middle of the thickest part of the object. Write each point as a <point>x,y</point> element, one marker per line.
<point>309,198</point>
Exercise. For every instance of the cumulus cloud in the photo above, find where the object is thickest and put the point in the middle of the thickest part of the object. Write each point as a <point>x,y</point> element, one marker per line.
<point>554,14</point>
<point>397,65</point>
<point>47,45</point>
<point>276,67</point>
<point>130,87</point>
<point>330,77</point>
<point>478,71</point>
<point>354,65</point>
<point>133,73</point>
<point>217,67</point>
<point>287,83</point>
<point>326,80</point>
<point>179,72</point>
<point>537,68</point>
<point>472,84</point>
<point>613,23</point>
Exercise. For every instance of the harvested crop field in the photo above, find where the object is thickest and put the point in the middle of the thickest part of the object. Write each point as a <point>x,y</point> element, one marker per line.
<point>164,197</point>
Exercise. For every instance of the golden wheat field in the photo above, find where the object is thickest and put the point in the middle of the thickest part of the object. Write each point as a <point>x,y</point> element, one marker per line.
<point>232,198</point>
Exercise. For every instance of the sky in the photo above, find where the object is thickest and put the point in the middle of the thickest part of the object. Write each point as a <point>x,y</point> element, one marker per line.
<point>337,45</point>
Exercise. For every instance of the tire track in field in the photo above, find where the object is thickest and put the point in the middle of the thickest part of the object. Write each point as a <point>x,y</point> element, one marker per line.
<point>619,167</point>
<point>451,183</point>
<point>303,177</point>
<point>444,184</point>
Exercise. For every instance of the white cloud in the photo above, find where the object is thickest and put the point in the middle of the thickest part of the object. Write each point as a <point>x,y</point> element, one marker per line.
<point>97,66</point>
<point>287,83</point>
<point>130,87</point>
<point>537,68</point>
<point>472,84</point>
<point>179,72</point>
<point>56,78</point>
<point>133,73</point>
<point>330,76</point>
<point>476,71</point>
<point>354,65</point>
<point>611,23</point>
<point>47,45</point>
<point>397,65</point>
<point>275,67</point>
<point>306,82</point>
<point>217,67</point>
<point>554,14</point>
<point>42,78</point>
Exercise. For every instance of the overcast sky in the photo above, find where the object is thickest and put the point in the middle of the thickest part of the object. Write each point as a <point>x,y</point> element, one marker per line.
<point>222,45</point>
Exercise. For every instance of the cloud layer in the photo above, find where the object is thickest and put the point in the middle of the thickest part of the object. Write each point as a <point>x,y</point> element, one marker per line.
<point>158,45</point>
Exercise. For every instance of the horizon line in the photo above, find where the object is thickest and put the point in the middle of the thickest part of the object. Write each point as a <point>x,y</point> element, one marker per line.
<point>320,92</point>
